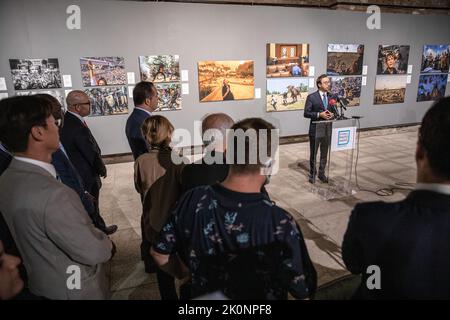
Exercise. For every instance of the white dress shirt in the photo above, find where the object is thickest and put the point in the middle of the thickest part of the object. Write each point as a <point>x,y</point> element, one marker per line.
<point>436,187</point>
<point>44,165</point>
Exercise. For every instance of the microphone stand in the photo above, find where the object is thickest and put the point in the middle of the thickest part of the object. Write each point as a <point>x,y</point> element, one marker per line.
<point>343,107</point>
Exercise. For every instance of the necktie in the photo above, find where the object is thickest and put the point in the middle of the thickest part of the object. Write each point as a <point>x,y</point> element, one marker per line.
<point>325,102</point>
<point>85,124</point>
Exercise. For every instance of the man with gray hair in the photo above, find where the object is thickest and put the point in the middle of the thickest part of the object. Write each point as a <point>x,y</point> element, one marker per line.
<point>212,167</point>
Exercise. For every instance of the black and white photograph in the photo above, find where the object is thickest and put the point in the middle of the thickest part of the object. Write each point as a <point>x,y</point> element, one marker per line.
<point>30,74</point>
<point>108,101</point>
<point>58,94</point>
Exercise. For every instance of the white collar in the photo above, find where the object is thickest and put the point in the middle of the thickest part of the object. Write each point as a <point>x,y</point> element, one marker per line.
<point>148,112</point>
<point>436,187</point>
<point>77,115</point>
<point>44,165</point>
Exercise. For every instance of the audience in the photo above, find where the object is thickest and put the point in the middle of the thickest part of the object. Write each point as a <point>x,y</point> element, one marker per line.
<point>231,237</point>
<point>158,180</point>
<point>10,282</point>
<point>47,220</point>
<point>205,171</point>
<point>82,148</point>
<point>408,240</point>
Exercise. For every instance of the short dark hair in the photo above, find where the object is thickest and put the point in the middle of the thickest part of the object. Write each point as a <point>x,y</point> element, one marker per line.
<point>57,108</point>
<point>256,124</point>
<point>319,79</point>
<point>143,90</point>
<point>434,135</point>
<point>18,115</point>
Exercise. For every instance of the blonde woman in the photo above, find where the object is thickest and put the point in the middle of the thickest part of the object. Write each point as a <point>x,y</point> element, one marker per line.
<point>158,180</point>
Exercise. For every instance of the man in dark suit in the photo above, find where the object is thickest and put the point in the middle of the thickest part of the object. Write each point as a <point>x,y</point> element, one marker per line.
<point>318,108</point>
<point>5,158</point>
<point>145,98</point>
<point>408,240</point>
<point>82,148</point>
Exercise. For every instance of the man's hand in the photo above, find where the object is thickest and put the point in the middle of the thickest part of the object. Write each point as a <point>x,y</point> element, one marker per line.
<point>326,115</point>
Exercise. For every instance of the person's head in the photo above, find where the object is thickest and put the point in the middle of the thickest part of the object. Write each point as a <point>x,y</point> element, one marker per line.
<point>102,82</point>
<point>57,109</point>
<point>391,60</point>
<point>145,96</point>
<point>161,68</point>
<point>79,103</point>
<point>27,126</point>
<point>157,131</point>
<point>432,155</point>
<point>323,83</point>
<point>225,81</point>
<point>242,161</point>
<point>10,282</point>
<point>214,130</point>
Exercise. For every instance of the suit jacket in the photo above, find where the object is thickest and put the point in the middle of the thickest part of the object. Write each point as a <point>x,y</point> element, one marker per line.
<point>313,106</point>
<point>53,231</point>
<point>136,141</point>
<point>408,240</point>
<point>82,150</point>
<point>71,178</point>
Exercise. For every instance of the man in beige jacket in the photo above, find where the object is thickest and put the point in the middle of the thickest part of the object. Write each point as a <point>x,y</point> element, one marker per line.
<point>62,251</point>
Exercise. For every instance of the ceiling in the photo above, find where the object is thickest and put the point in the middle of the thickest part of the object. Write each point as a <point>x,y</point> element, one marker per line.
<point>393,6</point>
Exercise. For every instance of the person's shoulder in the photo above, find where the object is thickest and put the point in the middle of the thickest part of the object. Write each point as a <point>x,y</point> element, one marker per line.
<point>377,210</point>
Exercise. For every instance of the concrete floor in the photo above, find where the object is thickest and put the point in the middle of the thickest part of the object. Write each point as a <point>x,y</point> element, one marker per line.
<point>385,158</point>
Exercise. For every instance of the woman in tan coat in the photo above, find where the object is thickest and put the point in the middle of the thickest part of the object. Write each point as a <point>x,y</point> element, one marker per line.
<point>158,179</point>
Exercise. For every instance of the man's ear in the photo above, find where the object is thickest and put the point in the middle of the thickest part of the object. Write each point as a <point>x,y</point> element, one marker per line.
<point>420,152</point>
<point>37,133</point>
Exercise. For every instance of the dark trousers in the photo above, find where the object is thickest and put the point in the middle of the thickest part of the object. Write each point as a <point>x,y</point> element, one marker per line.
<point>166,285</point>
<point>316,142</point>
<point>95,215</point>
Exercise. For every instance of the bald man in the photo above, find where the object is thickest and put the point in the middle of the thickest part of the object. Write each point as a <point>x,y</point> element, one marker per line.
<point>81,147</point>
<point>211,168</point>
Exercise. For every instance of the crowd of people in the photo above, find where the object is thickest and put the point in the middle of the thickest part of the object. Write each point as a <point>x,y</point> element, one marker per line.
<point>212,225</point>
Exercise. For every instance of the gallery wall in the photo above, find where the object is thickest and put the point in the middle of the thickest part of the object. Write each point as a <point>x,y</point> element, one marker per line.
<point>198,32</point>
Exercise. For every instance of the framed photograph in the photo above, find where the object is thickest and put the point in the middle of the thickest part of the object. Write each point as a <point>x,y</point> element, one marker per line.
<point>390,89</point>
<point>348,89</point>
<point>169,96</point>
<point>435,59</point>
<point>108,101</point>
<point>345,59</point>
<point>392,59</point>
<point>287,60</point>
<point>226,80</point>
<point>58,94</point>
<point>30,74</point>
<point>286,94</point>
<point>161,68</point>
<point>102,71</point>
<point>431,87</point>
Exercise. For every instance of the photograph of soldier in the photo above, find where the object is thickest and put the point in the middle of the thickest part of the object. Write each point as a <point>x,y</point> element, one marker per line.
<point>286,94</point>
<point>108,101</point>
<point>103,71</point>
<point>169,96</point>
<point>392,59</point>
<point>345,59</point>
<point>29,74</point>
<point>431,87</point>
<point>435,59</point>
<point>161,68</point>
<point>348,89</point>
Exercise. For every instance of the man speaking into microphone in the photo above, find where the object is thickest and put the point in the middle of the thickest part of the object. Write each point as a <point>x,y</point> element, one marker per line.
<point>320,106</point>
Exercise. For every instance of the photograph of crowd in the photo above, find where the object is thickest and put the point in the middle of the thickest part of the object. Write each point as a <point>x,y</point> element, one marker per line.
<point>286,94</point>
<point>345,59</point>
<point>348,89</point>
<point>169,96</point>
<point>226,80</point>
<point>29,74</point>
<point>435,58</point>
<point>390,89</point>
<point>287,60</point>
<point>392,59</point>
<point>162,68</point>
<point>431,87</point>
<point>108,101</point>
<point>58,94</point>
<point>102,71</point>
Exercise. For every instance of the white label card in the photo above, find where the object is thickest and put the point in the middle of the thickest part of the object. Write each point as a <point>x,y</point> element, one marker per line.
<point>130,91</point>
<point>2,84</point>
<point>131,78</point>
<point>184,75</point>
<point>408,79</point>
<point>257,93</point>
<point>311,82</point>
<point>67,80</point>
<point>185,88</point>
<point>410,68</point>
<point>312,71</point>
<point>364,70</point>
<point>364,81</point>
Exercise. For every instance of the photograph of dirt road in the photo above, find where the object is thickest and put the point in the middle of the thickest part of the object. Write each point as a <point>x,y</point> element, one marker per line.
<point>390,89</point>
<point>225,80</point>
<point>286,94</point>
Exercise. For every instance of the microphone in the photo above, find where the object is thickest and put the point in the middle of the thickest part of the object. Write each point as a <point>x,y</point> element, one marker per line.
<point>339,99</point>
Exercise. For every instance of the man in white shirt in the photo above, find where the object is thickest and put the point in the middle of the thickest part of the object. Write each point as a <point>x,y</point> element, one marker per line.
<point>52,230</point>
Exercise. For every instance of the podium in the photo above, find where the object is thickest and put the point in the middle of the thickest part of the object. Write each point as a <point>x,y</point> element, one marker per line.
<point>336,139</point>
